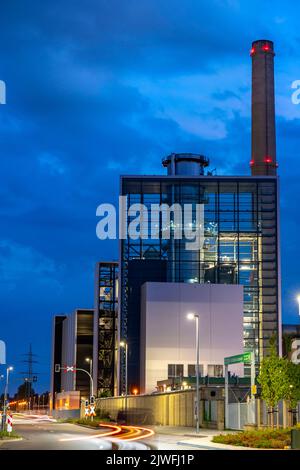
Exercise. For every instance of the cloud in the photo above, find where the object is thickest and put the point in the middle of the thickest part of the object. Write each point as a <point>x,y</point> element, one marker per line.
<point>51,163</point>
<point>99,88</point>
<point>20,262</point>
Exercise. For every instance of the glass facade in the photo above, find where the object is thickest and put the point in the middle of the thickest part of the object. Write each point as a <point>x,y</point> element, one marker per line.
<point>106,305</point>
<point>240,243</point>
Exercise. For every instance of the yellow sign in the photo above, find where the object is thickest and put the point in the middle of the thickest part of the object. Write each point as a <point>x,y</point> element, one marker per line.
<point>254,389</point>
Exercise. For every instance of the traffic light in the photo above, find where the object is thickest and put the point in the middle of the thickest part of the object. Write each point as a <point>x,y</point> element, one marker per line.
<point>92,402</point>
<point>86,403</point>
<point>57,368</point>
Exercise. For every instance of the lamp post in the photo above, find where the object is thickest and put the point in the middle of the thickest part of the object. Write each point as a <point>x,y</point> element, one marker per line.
<point>193,316</point>
<point>8,370</point>
<point>88,359</point>
<point>298,300</point>
<point>124,344</point>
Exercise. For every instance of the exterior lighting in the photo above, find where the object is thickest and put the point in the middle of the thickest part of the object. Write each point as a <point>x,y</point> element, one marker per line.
<point>123,344</point>
<point>5,402</point>
<point>190,316</point>
<point>193,316</point>
<point>135,391</point>
<point>298,300</point>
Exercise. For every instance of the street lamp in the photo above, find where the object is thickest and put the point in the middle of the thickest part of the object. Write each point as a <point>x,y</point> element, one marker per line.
<point>298,299</point>
<point>8,370</point>
<point>193,316</point>
<point>124,344</point>
<point>90,360</point>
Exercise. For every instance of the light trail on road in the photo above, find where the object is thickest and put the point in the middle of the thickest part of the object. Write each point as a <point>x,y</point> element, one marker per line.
<point>117,430</point>
<point>139,430</point>
<point>120,433</point>
<point>123,437</point>
<point>20,418</point>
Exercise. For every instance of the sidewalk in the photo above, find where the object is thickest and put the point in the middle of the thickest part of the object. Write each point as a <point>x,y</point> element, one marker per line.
<point>203,440</point>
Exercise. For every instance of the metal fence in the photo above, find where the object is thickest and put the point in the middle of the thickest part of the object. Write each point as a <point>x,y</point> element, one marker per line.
<point>242,414</point>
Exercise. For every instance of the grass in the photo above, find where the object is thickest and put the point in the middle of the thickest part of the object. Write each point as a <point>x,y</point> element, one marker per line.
<point>95,423</point>
<point>8,435</point>
<point>260,439</point>
<point>87,422</point>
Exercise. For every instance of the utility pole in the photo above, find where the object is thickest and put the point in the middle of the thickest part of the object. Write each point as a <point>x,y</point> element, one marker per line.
<point>29,375</point>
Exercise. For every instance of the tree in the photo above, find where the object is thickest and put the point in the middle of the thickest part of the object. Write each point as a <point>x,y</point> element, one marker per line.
<point>293,394</point>
<point>287,344</point>
<point>274,378</point>
<point>23,391</point>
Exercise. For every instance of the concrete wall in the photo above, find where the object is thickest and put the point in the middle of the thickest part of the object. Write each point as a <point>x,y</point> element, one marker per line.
<point>65,414</point>
<point>167,409</point>
<point>167,337</point>
<point>68,400</point>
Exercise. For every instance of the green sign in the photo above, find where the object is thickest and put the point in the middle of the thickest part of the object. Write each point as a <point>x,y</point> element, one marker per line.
<point>246,357</point>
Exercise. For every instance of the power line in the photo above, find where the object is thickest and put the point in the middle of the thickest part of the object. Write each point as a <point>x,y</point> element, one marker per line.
<point>29,376</point>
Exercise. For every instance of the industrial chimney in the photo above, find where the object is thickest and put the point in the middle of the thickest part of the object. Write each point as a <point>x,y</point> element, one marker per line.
<point>263,159</point>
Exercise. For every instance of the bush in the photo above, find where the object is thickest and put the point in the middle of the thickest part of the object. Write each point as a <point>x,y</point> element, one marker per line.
<point>101,414</point>
<point>88,422</point>
<point>260,439</point>
<point>8,435</point>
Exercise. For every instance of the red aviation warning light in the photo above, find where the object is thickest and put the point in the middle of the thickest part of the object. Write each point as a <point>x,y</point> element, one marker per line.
<point>266,48</point>
<point>252,51</point>
<point>251,162</point>
<point>268,159</point>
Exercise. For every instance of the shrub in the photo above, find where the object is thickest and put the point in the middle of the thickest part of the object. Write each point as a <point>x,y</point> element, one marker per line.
<point>260,439</point>
<point>8,435</point>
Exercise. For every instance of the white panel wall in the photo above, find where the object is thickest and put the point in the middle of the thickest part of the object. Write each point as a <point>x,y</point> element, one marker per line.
<point>167,337</point>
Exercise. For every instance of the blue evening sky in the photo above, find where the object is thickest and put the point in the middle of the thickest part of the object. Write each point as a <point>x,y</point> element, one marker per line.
<point>96,88</point>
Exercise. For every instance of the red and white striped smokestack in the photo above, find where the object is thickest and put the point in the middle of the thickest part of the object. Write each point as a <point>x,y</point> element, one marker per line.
<point>263,159</point>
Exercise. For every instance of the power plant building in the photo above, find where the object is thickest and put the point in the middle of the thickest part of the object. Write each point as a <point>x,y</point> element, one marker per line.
<point>239,229</point>
<point>237,259</point>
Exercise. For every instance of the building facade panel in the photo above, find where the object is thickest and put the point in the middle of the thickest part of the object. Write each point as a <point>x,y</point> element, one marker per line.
<point>168,338</point>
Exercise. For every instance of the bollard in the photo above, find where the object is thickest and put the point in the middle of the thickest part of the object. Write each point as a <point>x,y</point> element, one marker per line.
<point>295,439</point>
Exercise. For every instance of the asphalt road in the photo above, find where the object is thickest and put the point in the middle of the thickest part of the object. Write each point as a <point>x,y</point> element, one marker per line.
<point>42,433</point>
<point>47,435</point>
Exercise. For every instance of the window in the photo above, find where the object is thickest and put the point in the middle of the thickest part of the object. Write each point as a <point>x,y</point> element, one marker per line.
<point>192,370</point>
<point>215,370</point>
<point>175,370</point>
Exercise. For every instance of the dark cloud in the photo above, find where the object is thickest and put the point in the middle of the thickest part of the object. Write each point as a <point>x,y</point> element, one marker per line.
<point>100,88</point>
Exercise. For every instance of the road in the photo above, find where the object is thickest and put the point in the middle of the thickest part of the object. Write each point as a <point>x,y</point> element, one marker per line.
<point>43,433</point>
